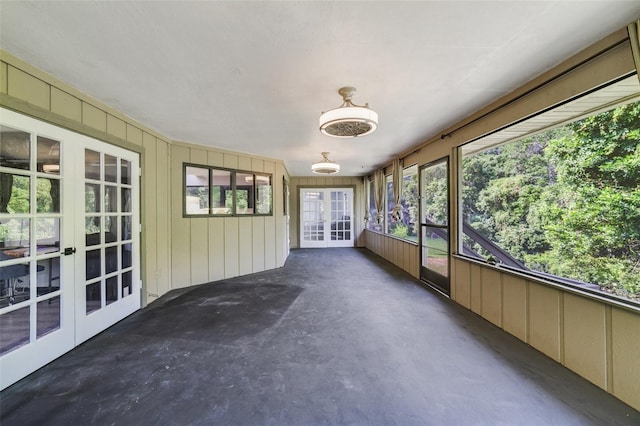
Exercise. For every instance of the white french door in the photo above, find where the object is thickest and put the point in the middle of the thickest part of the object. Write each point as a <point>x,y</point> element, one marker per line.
<point>107,269</point>
<point>69,241</point>
<point>326,217</point>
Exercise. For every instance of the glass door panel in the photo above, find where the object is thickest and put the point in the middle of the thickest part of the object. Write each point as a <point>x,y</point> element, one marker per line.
<point>341,213</point>
<point>326,217</point>
<point>312,218</point>
<point>69,241</point>
<point>36,283</point>
<point>434,213</point>
<point>109,243</point>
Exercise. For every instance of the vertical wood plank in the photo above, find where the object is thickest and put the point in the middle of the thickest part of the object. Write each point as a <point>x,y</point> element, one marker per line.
<point>245,244</point>
<point>149,220</point>
<point>134,134</point>
<point>514,306</point>
<point>230,161</point>
<point>258,224</point>
<point>198,156</point>
<point>163,216</point>
<point>94,117</point>
<point>492,296</point>
<point>585,350</point>
<point>180,226</point>
<point>476,289</point>
<point>231,253</point>
<point>625,347</point>
<point>544,320</point>
<point>199,250</point>
<point>66,105</point>
<point>216,248</point>
<point>117,127</point>
<point>4,69</point>
<point>463,283</point>
<point>244,163</point>
<point>215,159</point>
<point>270,236</point>
<point>28,88</point>
<point>257,165</point>
<point>199,234</point>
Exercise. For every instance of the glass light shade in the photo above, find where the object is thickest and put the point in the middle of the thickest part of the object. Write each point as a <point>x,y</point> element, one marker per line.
<point>348,122</point>
<point>325,166</point>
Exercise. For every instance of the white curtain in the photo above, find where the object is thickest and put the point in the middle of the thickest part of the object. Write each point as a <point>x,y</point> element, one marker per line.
<point>634,37</point>
<point>367,216</point>
<point>396,213</point>
<point>378,183</point>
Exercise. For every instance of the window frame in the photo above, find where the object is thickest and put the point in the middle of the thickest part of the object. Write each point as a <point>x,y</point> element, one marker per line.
<point>387,222</point>
<point>388,180</point>
<point>560,282</point>
<point>233,188</point>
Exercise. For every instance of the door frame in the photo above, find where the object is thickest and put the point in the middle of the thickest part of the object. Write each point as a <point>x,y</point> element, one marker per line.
<point>435,280</point>
<point>299,207</point>
<point>48,347</point>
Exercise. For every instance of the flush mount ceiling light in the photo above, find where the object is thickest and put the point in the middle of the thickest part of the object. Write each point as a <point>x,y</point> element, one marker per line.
<point>325,166</point>
<point>348,120</point>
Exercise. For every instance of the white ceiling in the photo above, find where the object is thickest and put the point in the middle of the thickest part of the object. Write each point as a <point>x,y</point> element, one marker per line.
<point>254,76</point>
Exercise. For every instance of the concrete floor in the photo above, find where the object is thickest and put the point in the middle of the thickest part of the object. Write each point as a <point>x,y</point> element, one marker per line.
<point>337,336</point>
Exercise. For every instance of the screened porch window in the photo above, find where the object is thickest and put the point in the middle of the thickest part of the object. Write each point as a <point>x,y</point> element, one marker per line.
<point>562,203</point>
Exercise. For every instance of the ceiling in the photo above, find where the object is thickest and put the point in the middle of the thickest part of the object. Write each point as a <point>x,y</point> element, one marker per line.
<point>254,77</point>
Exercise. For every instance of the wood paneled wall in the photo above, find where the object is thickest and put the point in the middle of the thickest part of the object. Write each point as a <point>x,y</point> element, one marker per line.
<point>176,252</point>
<point>214,248</point>
<point>28,90</point>
<point>404,254</point>
<point>354,182</point>
<point>597,340</point>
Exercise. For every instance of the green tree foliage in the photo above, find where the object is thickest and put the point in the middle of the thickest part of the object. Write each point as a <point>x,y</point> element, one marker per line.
<point>597,231</point>
<point>565,202</point>
<point>435,203</point>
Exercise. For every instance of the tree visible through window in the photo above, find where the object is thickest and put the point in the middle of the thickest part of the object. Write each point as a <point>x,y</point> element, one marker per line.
<point>564,203</point>
<point>407,226</point>
<point>210,191</point>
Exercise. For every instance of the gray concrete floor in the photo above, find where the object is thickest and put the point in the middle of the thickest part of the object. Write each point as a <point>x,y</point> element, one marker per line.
<point>335,337</point>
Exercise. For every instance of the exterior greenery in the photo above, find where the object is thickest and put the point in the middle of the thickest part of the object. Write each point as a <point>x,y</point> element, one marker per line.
<point>565,202</point>
<point>252,193</point>
<point>407,227</point>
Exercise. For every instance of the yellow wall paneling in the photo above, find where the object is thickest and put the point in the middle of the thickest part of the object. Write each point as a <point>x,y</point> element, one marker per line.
<point>598,341</point>
<point>176,252</point>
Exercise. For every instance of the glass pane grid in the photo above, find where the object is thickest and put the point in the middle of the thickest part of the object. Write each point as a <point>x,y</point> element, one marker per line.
<point>29,233</point>
<point>109,260</point>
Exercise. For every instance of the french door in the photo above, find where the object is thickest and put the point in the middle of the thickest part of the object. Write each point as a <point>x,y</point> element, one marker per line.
<point>434,225</point>
<point>326,217</point>
<point>107,270</point>
<point>69,241</point>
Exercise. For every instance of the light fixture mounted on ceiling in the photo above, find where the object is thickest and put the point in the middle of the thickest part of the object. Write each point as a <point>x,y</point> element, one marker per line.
<point>348,120</point>
<point>325,166</point>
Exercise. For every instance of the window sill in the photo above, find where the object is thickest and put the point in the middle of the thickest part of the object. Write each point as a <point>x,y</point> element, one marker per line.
<point>413,243</point>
